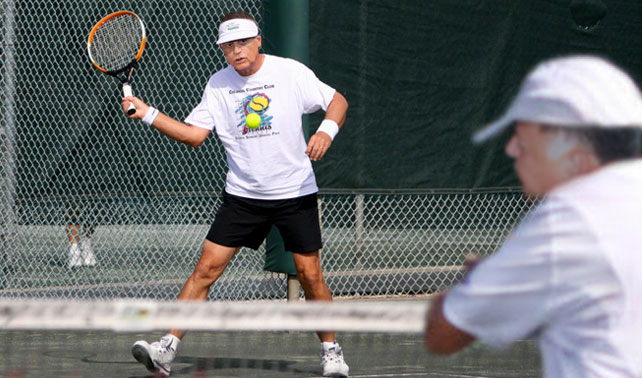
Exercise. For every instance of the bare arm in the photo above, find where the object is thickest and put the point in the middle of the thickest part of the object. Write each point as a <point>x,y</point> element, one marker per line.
<point>337,109</point>
<point>184,133</point>
<point>441,336</point>
<point>320,142</point>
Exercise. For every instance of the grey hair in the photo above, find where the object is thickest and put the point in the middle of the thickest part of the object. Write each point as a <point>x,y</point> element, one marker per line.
<point>609,144</point>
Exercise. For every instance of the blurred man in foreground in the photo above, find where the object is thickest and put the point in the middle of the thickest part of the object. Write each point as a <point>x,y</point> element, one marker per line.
<point>570,273</point>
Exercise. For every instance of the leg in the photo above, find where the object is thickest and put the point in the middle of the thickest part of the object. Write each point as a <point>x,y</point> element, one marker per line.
<point>73,234</point>
<point>75,254</point>
<point>158,356</point>
<point>85,245</point>
<point>73,225</point>
<point>73,231</point>
<point>308,268</point>
<point>214,259</point>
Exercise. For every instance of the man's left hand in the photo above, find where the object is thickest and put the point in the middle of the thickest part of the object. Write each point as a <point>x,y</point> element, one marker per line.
<point>318,145</point>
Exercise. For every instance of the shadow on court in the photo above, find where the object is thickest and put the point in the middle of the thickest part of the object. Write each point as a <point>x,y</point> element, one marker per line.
<point>244,354</point>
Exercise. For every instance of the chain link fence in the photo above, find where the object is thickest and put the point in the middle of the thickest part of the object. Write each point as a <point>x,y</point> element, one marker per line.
<point>375,244</point>
<point>70,158</point>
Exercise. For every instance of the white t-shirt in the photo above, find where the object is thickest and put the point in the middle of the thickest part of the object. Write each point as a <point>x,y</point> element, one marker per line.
<point>268,162</point>
<point>570,275</point>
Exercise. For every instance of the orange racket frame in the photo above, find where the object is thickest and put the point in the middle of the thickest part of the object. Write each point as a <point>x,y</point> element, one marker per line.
<point>139,54</point>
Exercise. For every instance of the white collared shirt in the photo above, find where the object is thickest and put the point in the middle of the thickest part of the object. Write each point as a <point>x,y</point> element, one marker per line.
<point>570,275</point>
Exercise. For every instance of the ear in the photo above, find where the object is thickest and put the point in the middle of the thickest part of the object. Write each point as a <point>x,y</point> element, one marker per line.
<point>582,161</point>
<point>512,147</point>
<point>567,167</point>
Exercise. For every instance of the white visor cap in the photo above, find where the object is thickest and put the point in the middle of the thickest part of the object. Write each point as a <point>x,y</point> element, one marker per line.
<point>574,91</point>
<point>235,29</point>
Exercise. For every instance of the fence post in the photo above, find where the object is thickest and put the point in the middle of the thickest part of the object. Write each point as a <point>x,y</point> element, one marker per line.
<point>359,215</point>
<point>286,32</point>
<point>7,133</point>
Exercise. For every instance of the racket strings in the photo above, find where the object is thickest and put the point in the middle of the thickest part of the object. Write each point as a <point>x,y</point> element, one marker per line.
<point>116,42</point>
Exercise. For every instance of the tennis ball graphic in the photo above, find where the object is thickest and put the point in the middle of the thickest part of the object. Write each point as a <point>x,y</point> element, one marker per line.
<point>258,103</point>
<point>253,120</point>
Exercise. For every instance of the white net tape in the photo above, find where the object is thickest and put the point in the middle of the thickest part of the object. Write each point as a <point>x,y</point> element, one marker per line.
<point>396,317</point>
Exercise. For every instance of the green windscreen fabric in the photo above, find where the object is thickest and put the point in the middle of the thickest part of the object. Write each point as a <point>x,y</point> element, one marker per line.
<point>421,76</point>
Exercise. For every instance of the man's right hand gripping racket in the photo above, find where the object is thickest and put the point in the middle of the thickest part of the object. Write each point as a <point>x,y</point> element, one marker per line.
<point>116,43</point>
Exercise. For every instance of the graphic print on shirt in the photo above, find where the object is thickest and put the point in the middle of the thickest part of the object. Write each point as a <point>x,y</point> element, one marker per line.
<point>258,103</point>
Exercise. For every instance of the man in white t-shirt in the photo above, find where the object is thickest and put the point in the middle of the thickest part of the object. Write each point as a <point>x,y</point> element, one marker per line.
<point>270,179</point>
<point>570,274</point>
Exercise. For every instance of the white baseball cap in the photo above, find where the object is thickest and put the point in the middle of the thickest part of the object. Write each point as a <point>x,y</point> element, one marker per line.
<point>573,91</point>
<point>235,29</point>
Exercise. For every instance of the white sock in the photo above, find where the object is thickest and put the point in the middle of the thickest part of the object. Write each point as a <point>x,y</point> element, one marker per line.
<point>173,340</point>
<point>329,344</point>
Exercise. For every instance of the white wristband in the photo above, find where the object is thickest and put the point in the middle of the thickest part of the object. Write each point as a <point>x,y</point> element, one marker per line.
<point>329,127</point>
<point>151,115</point>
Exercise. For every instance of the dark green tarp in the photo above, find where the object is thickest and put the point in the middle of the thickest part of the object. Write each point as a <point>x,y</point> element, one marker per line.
<point>421,76</point>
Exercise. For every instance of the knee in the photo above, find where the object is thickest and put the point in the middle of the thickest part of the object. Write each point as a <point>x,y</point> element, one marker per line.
<point>207,272</point>
<point>310,276</point>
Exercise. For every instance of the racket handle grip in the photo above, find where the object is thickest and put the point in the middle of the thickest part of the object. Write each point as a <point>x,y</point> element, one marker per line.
<point>131,110</point>
<point>127,92</point>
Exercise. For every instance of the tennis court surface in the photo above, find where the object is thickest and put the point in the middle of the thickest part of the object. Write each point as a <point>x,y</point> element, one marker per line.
<point>94,340</point>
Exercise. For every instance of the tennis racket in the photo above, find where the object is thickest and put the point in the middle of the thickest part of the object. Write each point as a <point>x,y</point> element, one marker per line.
<point>116,43</point>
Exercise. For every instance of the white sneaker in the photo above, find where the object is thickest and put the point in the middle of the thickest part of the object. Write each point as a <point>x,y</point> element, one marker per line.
<point>75,256</point>
<point>87,254</point>
<point>157,356</point>
<point>332,360</point>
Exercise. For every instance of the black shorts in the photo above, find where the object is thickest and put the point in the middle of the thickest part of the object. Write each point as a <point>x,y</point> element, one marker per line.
<point>245,222</point>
